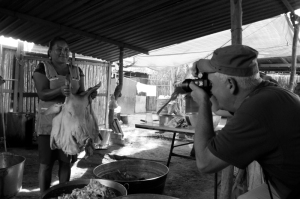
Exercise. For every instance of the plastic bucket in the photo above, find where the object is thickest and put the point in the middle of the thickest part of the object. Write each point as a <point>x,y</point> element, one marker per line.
<point>105,134</point>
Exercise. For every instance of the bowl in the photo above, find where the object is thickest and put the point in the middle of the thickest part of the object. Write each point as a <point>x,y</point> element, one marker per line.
<point>68,187</point>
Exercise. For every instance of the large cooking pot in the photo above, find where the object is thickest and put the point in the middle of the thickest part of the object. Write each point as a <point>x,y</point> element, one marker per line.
<point>68,187</point>
<point>143,176</point>
<point>11,174</point>
<point>145,196</point>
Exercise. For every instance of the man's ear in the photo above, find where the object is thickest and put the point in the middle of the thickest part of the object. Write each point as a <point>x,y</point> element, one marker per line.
<point>232,85</point>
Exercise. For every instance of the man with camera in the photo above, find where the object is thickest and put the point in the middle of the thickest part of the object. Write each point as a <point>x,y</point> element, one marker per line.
<point>264,126</point>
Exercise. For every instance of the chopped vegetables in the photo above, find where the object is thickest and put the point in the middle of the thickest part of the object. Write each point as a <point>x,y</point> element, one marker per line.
<point>94,190</point>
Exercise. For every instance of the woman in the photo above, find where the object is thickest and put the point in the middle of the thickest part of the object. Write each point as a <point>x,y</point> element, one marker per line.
<point>49,78</point>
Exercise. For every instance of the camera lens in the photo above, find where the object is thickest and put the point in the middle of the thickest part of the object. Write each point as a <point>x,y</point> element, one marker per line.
<point>184,87</point>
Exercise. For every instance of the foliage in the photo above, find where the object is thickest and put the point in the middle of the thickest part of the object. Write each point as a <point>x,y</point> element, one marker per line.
<point>284,79</point>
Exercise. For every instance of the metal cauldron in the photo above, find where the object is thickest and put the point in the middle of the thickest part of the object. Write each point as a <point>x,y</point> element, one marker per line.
<point>145,196</point>
<point>150,176</point>
<point>11,174</point>
<point>68,187</point>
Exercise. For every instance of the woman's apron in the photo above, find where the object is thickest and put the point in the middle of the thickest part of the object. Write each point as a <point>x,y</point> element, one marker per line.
<point>44,122</point>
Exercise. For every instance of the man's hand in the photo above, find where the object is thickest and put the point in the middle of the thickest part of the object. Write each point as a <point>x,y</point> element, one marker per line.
<point>195,71</point>
<point>198,94</point>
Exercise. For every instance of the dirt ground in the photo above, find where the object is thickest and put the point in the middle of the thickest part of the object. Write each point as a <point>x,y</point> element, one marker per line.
<point>183,180</point>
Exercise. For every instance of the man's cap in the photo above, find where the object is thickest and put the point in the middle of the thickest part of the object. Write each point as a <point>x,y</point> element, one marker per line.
<point>235,60</point>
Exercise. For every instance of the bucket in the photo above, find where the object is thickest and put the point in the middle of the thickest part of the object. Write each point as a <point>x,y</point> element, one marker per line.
<point>162,100</point>
<point>11,174</point>
<point>105,134</point>
<point>138,176</point>
<point>124,119</point>
<point>165,119</point>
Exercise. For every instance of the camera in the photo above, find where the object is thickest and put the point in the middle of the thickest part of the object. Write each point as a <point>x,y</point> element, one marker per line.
<point>202,82</point>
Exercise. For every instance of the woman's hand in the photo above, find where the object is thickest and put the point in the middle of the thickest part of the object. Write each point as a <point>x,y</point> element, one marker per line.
<point>65,90</point>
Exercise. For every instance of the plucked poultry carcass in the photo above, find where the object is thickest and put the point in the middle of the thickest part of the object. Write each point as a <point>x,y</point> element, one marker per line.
<point>75,127</point>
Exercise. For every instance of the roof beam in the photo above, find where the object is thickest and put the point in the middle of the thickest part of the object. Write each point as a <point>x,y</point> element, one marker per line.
<point>288,6</point>
<point>46,23</point>
<point>277,65</point>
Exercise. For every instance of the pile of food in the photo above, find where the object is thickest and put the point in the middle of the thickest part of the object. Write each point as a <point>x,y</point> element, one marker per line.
<point>94,190</point>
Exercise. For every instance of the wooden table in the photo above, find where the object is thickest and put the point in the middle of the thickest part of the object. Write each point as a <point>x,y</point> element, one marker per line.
<point>173,130</point>
<point>190,130</point>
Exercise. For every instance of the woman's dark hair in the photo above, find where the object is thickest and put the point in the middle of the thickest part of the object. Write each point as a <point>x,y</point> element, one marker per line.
<point>53,41</point>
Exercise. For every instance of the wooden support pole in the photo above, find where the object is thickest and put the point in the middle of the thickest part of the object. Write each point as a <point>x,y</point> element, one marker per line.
<point>236,35</point>
<point>21,78</point>
<point>236,21</point>
<point>295,21</point>
<point>119,87</point>
<point>108,83</point>
<point>17,76</point>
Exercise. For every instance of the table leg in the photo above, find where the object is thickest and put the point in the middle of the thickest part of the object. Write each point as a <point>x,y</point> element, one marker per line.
<point>216,185</point>
<point>171,149</point>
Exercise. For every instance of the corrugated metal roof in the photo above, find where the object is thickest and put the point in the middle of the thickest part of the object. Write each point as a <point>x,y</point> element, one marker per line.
<point>97,28</point>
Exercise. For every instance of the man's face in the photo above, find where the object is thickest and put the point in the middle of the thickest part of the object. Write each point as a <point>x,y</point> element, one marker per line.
<point>220,91</point>
<point>60,52</point>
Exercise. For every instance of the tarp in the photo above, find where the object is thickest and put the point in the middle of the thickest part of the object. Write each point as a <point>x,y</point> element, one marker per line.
<point>271,37</point>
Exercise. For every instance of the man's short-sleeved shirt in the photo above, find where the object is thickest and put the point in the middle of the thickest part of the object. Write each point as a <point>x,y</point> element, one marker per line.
<point>265,128</point>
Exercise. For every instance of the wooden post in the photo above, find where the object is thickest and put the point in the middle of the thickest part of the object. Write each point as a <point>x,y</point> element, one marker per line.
<point>108,83</point>
<point>118,89</point>
<point>19,85</point>
<point>236,38</point>
<point>21,82</point>
<point>294,18</point>
<point>236,21</point>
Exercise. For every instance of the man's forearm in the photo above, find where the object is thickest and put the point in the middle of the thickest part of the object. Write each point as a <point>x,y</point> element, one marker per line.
<point>204,132</point>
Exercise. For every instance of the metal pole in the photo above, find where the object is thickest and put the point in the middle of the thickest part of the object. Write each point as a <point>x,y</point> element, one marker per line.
<point>295,21</point>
